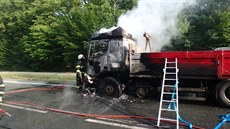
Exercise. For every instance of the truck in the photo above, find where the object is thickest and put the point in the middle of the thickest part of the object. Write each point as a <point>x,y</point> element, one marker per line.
<point>115,64</point>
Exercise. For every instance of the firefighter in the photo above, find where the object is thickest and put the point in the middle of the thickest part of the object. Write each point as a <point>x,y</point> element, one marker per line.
<point>2,91</point>
<point>80,72</point>
<point>2,88</point>
<point>147,38</point>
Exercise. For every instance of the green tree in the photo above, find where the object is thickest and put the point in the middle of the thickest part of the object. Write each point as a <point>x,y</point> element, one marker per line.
<point>204,26</point>
<point>62,29</point>
<point>13,26</point>
<point>47,35</point>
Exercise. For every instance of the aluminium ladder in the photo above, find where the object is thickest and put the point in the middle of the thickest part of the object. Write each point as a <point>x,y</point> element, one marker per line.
<point>169,93</point>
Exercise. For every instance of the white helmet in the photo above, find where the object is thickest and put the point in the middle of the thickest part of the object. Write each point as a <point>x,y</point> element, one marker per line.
<point>81,56</point>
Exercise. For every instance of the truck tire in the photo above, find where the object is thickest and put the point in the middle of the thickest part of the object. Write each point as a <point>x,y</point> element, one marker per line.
<point>223,94</point>
<point>110,88</point>
<point>141,92</point>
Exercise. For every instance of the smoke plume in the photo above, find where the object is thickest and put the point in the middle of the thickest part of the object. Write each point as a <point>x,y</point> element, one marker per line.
<point>156,17</point>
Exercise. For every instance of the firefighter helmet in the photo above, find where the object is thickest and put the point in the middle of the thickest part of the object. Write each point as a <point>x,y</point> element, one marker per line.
<point>80,56</point>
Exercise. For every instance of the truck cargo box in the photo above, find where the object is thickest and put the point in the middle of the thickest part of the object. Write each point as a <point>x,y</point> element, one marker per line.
<point>192,64</point>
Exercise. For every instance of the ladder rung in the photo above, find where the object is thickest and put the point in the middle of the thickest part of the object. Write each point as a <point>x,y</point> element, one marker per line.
<point>171,62</point>
<point>171,67</point>
<point>167,119</point>
<point>170,110</point>
<point>169,93</point>
<point>170,73</point>
<point>168,101</point>
<point>170,79</point>
<point>172,86</point>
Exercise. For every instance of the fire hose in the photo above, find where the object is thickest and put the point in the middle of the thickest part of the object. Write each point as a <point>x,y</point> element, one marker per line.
<point>80,114</point>
<point>172,103</point>
<point>226,118</point>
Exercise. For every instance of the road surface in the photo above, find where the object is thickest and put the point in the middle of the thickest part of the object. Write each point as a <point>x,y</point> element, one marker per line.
<point>29,104</point>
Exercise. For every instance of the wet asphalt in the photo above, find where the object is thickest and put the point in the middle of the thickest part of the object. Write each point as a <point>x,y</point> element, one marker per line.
<point>199,113</point>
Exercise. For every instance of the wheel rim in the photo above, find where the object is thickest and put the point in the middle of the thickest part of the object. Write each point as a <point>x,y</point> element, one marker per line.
<point>141,92</point>
<point>227,93</point>
<point>109,89</point>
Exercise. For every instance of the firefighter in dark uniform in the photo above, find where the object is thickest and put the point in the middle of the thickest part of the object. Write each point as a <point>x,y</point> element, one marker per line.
<point>80,73</point>
<point>2,91</point>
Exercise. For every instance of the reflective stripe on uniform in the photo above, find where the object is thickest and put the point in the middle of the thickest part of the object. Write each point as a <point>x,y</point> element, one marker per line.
<point>78,71</point>
<point>2,85</point>
<point>2,88</point>
<point>78,66</point>
<point>78,87</point>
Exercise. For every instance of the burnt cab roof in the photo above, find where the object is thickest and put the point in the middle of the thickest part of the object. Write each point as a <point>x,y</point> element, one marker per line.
<point>116,33</point>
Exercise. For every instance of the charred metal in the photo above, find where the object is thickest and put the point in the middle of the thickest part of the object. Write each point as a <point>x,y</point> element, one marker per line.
<point>116,64</point>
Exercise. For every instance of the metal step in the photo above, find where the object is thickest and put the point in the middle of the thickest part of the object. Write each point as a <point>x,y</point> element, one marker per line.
<point>170,67</point>
<point>168,101</point>
<point>171,62</point>
<point>192,98</point>
<point>170,73</point>
<point>191,89</point>
<point>169,93</point>
<point>170,110</point>
<point>167,119</point>
<point>170,79</point>
<point>171,86</point>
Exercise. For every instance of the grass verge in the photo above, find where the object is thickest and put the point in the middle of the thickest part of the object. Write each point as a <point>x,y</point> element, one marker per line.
<point>50,77</point>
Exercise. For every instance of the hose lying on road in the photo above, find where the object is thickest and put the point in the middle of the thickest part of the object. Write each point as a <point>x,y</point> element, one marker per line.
<point>93,115</point>
<point>4,112</point>
<point>226,118</point>
<point>82,114</point>
<point>34,89</point>
<point>2,87</point>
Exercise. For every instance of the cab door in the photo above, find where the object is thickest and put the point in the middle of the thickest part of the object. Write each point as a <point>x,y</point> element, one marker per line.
<point>97,57</point>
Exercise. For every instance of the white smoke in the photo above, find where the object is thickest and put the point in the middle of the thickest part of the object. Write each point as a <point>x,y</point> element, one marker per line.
<point>103,30</point>
<point>156,17</point>
<point>67,97</point>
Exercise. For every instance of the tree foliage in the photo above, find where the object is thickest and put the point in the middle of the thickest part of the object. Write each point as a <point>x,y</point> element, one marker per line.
<point>204,26</point>
<point>14,24</point>
<point>47,35</point>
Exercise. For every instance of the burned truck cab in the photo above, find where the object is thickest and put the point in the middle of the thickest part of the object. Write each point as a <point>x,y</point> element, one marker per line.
<point>108,61</point>
<point>108,52</point>
<point>105,55</point>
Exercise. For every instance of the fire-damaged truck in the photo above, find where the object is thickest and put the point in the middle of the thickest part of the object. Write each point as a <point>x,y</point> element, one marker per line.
<point>115,65</point>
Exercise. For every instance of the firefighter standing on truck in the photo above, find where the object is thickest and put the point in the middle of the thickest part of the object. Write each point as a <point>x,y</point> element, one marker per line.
<point>80,73</point>
<point>147,44</point>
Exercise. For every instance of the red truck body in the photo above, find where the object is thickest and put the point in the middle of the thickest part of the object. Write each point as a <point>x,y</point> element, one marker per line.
<point>192,64</point>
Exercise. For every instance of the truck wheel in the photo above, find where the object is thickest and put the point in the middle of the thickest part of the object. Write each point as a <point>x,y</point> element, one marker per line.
<point>224,94</point>
<point>141,92</point>
<point>110,87</point>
